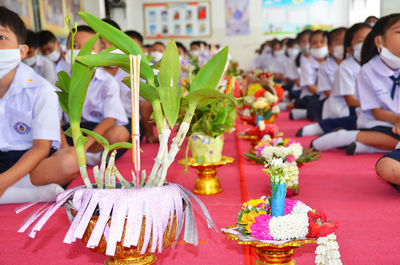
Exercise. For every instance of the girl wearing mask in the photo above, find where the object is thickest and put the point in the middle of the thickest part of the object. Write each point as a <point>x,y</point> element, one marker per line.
<point>339,108</point>
<point>377,86</point>
<point>309,73</point>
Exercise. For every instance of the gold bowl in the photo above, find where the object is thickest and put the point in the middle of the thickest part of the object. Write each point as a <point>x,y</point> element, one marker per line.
<point>207,181</point>
<point>129,255</point>
<point>271,254</point>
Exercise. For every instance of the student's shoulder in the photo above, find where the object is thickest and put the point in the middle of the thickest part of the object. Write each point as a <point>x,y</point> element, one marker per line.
<point>376,67</point>
<point>27,78</point>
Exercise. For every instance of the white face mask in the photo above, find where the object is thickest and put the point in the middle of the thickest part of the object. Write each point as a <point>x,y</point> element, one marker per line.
<point>68,55</point>
<point>279,52</point>
<point>54,56</point>
<point>372,24</point>
<point>9,59</point>
<point>338,52</point>
<point>319,53</point>
<point>195,53</point>
<point>267,49</point>
<point>357,51</point>
<point>305,49</point>
<point>157,56</point>
<point>31,61</point>
<point>389,58</point>
<point>292,52</point>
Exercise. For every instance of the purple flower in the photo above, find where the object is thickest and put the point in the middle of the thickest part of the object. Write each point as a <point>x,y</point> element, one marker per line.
<point>289,204</point>
<point>260,229</point>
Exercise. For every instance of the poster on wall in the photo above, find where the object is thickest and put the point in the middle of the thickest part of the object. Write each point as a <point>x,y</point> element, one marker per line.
<point>23,8</point>
<point>52,13</point>
<point>177,20</point>
<point>237,17</point>
<point>292,16</point>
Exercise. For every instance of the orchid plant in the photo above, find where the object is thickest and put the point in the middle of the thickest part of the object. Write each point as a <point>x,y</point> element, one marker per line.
<point>162,90</point>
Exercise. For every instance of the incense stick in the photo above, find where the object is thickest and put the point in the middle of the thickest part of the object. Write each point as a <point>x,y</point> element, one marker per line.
<point>135,78</point>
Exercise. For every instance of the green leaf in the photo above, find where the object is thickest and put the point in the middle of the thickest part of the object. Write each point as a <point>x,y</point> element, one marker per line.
<point>63,99</point>
<point>100,139</point>
<point>121,145</point>
<point>115,59</point>
<point>63,81</point>
<point>81,76</point>
<point>203,94</point>
<point>169,68</point>
<point>211,73</point>
<point>114,36</point>
<point>68,132</point>
<point>80,144</point>
<point>170,102</point>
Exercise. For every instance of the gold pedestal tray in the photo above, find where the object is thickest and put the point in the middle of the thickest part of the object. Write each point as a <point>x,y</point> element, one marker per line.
<point>271,254</point>
<point>251,138</point>
<point>207,182</point>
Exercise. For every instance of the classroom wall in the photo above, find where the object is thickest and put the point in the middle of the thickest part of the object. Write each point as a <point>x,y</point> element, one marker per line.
<point>390,7</point>
<point>242,47</point>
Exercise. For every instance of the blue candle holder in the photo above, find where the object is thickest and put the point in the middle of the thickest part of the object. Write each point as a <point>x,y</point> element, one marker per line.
<point>278,199</point>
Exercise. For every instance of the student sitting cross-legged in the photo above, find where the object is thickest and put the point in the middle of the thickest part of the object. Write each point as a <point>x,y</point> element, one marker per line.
<point>103,111</point>
<point>30,167</point>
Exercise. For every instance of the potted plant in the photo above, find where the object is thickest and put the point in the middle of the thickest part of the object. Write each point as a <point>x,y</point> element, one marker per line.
<point>127,221</point>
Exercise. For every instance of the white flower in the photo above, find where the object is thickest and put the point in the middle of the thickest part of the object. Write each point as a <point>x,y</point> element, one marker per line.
<point>246,112</point>
<point>296,150</point>
<point>289,226</point>
<point>275,109</point>
<point>265,138</point>
<point>277,162</point>
<point>260,103</point>
<point>261,125</point>
<point>327,251</point>
<point>248,99</point>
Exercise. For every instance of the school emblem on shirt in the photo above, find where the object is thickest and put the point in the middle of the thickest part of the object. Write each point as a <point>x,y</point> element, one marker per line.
<point>96,114</point>
<point>22,128</point>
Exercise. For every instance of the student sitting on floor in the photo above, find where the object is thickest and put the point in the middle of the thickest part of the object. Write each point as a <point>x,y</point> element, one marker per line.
<point>278,55</point>
<point>309,74</point>
<point>339,108</point>
<point>50,48</point>
<point>103,111</point>
<point>43,66</point>
<point>378,90</point>
<point>30,168</point>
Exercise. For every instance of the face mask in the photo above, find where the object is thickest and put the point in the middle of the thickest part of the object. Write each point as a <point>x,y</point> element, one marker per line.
<point>157,56</point>
<point>267,49</point>
<point>31,61</point>
<point>305,49</point>
<point>54,56</point>
<point>392,60</point>
<point>195,53</point>
<point>292,52</point>
<point>338,52</point>
<point>9,59</point>
<point>279,53</point>
<point>357,51</point>
<point>372,24</point>
<point>319,53</point>
<point>68,55</point>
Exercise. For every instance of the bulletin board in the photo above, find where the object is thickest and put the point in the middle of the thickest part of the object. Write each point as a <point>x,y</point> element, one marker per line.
<point>53,12</point>
<point>177,20</point>
<point>23,8</point>
<point>292,16</point>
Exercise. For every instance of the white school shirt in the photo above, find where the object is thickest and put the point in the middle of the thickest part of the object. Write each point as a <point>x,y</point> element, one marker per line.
<point>278,64</point>
<point>28,111</point>
<point>326,75</point>
<point>255,62</point>
<point>124,92</point>
<point>102,97</point>
<point>344,84</point>
<point>265,61</point>
<point>45,68</point>
<point>308,74</point>
<point>292,71</point>
<point>374,87</point>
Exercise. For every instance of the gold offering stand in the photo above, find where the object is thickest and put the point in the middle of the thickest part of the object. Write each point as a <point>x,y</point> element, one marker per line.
<point>207,182</point>
<point>250,138</point>
<point>271,254</point>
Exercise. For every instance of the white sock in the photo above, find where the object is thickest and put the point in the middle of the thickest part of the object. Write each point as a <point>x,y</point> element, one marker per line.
<point>93,159</point>
<point>298,114</point>
<point>335,139</point>
<point>366,149</point>
<point>283,105</point>
<point>44,193</point>
<point>312,129</point>
<point>397,146</point>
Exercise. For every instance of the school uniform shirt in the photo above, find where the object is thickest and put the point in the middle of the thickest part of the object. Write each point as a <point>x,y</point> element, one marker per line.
<point>308,74</point>
<point>277,67</point>
<point>265,61</point>
<point>344,84</point>
<point>255,62</point>
<point>45,68</point>
<point>374,88</point>
<point>292,71</point>
<point>326,75</point>
<point>62,65</point>
<point>102,97</point>
<point>28,111</point>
